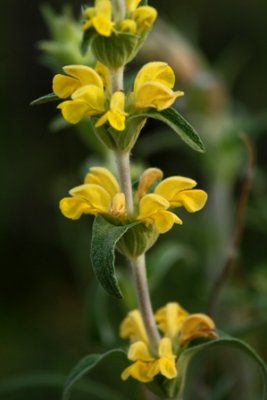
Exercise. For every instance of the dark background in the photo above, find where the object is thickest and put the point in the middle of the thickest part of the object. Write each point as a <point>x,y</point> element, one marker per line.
<point>45,268</point>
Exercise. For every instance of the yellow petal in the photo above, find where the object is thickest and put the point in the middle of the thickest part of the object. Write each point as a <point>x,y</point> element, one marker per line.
<point>99,17</point>
<point>117,101</point>
<point>64,86</point>
<point>89,12</point>
<point>192,200</point>
<point>164,220</point>
<point>196,326</point>
<point>149,177</point>
<point>103,7</point>
<point>145,17</point>
<point>170,319</point>
<point>103,177</point>
<point>155,71</point>
<point>102,120</point>
<point>164,366</point>
<point>97,197</point>
<point>165,348</point>
<point>138,351</point>
<point>117,120</point>
<point>85,75</point>
<point>151,204</point>
<point>170,187</point>
<point>118,205</point>
<point>73,208</point>
<point>139,370</point>
<point>127,25</point>
<point>73,111</point>
<point>102,25</point>
<point>103,72</point>
<point>116,115</point>
<point>93,96</point>
<point>131,5</point>
<point>132,327</point>
<point>87,25</point>
<point>156,95</point>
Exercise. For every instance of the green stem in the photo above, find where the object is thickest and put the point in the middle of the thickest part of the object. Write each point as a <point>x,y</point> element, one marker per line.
<point>119,9</point>
<point>116,78</point>
<point>123,163</point>
<point>141,285</point>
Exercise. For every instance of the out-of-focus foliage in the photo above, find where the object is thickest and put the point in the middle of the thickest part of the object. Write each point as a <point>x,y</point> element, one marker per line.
<point>52,310</point>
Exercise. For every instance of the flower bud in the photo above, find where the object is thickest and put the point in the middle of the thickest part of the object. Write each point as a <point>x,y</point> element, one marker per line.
<point>137,240</point>
<point>121,140</point>
<point>116,50</point>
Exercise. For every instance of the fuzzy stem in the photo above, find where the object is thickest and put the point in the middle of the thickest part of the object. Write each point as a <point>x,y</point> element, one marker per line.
<point>141,285</point>
<point>119,9</point>
<point>123,162</point>
<point>116,78</point>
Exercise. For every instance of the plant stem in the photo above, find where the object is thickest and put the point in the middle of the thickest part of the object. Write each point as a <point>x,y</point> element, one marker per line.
<point>141,285</point>
<point>116,78</point>
<point>123,162</point>
<point>123,158</point>
<point>119,9</point>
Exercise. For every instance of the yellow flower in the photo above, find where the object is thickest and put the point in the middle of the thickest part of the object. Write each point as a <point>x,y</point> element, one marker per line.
<point>100,194</point>
<point>153,87</point>
<point>131,5</point>
<point>77,76</point>
<point>165,364</point>
<point>175,191</point>
<point>146,366</point>
<point>116,114</point>
<point>99,18</point>
<point>178,327</point>
<point>89,100</point>
<point>170,319</point>
<point>89,93</point>
<point>132,327</point>
<point>179,192</point>
<point>148,178</point>
<point>153,211</point>
<point>197,326</point>
<point>143,17</point>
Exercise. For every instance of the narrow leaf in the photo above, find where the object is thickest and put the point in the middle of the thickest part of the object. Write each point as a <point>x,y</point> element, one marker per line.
<point>104,239</point>
<point>86,40</point>
<point>178,124</point>
<point>224,340</point>
<point>44,99</point>
<point>85,365</point>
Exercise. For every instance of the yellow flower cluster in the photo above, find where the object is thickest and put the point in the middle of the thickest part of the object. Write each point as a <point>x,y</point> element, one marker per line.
<point>178,327</point>
<point>87,93</point>
<point>101,194</point>
<point>138,19</point>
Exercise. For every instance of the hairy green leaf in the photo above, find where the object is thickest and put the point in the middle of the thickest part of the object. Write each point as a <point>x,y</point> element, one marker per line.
<point>85,365</point>
<point>44,99</point>
<point>187,355</point>
<point>104,239</point>
<point>178,124</point>
<point>86,40</point>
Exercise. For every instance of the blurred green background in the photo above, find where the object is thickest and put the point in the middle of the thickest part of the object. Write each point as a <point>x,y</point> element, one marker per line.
<point>52,311</point>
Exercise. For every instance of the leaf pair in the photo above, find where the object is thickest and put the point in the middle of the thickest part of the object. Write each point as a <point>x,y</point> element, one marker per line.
<point>164,387</point>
